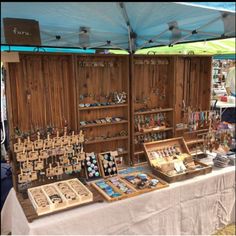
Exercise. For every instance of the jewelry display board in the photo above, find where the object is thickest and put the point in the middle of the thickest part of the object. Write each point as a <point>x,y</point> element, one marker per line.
<point>103,103</point>
<point>91,165</point>
<point>48,159</point>
<point>153,97</point>
<point>107,163</point>
<point>125,186</point>
<point>171,160</point>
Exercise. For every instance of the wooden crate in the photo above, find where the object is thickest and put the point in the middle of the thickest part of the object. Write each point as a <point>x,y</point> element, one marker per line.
<point>158,168</point>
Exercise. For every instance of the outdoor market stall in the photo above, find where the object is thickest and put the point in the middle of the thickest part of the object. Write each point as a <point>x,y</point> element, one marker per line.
<point>78,122</point>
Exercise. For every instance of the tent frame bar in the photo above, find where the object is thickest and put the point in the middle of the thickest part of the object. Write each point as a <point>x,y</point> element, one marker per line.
<point>44,46</point>
<point>196,31</point>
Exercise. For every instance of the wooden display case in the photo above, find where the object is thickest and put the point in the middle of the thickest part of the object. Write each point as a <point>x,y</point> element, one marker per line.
<point>119,193</point>
<point>171,160</point>
<point>100,78</point>
<point>130,188</point>
<point>193,94</point>
<point>153,99</point>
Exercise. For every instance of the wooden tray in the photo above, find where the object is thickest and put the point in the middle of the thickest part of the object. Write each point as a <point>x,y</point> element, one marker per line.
<point>137,191</point>
<point>184,149</point>
<point>123,195</point>
<point>160,185</point>
<point>183,176</point>
<point>31,214</point>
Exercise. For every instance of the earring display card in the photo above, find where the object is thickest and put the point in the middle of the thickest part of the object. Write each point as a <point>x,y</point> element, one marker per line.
<point>51,158</point>
<point>108,164</point>
<point>60,195</point>
<point>91,166</point>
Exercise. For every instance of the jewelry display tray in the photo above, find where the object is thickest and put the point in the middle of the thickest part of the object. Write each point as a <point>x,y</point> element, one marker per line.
<point>32,215</point>
<point>183,147</point>
<point>136,191</point>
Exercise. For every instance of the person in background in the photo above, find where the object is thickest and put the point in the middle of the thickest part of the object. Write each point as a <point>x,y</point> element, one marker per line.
<point>230,81</point>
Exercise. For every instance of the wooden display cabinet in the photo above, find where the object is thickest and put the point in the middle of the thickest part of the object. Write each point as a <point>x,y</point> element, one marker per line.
<point>153,96</point>
<point>193,93</point>
<point>98,77</point>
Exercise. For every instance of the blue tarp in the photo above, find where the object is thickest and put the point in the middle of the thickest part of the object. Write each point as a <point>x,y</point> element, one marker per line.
<point>125,25</point>
<point>45,49</point>
<point>225,57</point>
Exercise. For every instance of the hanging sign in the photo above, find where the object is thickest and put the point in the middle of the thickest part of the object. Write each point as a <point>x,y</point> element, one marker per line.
<point>21,31</point>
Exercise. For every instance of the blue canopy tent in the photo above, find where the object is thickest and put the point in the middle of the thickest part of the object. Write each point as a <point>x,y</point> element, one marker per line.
<point>124,25</point>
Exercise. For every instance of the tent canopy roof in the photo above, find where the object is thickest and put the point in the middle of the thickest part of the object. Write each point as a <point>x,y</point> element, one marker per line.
<point>214,47</point>
<point>125,25</point>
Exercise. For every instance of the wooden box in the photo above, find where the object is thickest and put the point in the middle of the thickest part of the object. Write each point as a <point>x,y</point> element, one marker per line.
<point>171,160</point>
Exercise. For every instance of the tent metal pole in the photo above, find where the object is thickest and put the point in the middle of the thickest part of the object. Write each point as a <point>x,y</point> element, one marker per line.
<point>130,30</point>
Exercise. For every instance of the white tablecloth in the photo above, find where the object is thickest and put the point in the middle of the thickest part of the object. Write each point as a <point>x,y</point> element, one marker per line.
<point>196,206</point>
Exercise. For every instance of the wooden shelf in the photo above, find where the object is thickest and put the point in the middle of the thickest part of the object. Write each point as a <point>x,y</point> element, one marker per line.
<point>141,163</point>
<point>140,152</point>
<point>181,129</point>
<point>153,111</point>
<point>103,124</point>
<point>122,153</point>
<point>194,141</point>
<point>102,107</point>
<point>122,167</point>
<point>153,131</point>
<point>106,140</point>
<point>194,153</point>
<point>196,131</point>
